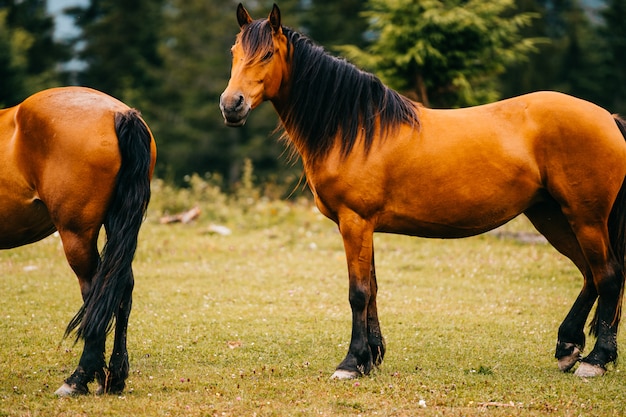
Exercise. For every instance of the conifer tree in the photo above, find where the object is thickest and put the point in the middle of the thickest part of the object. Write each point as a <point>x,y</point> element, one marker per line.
<point>443,53</point>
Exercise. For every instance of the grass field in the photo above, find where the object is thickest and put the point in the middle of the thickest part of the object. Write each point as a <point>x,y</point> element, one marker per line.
<point>255,322</point>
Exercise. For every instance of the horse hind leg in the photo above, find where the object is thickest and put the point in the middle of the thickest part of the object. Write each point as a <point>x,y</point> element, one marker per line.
<point>550,221</point>
<point>609,281</point>
<point>119,364</point>
<point>82,254</point>
<point>605,248</point>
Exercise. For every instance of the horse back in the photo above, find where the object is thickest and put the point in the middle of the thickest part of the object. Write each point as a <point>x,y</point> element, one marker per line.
<point>551,131</point>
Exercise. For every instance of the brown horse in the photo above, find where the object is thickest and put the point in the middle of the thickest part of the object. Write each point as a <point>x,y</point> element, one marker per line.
<point>71,160</point>
<point>377,162</point>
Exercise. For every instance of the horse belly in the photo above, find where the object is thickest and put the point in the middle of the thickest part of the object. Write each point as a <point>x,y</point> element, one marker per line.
<point>448,204</point>
<point>432,228</point>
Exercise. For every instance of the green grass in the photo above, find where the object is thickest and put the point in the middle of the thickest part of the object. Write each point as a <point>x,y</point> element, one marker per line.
<point>254,324</point>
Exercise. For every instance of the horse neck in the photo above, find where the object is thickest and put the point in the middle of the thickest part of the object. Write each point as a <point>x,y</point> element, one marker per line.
<point>307,114</point>
<point>291,135</point>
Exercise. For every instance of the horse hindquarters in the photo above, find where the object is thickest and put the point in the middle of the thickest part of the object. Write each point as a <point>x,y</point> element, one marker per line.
<point>610,288</point>
<point>112,284</point>
<point>608,280</point>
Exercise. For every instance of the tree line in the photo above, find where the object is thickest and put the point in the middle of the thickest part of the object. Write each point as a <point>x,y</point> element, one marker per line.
<point>171,60</point>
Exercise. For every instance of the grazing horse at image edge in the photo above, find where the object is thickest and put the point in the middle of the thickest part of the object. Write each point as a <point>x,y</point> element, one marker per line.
<point>378,162</point>
<point>71,160</point>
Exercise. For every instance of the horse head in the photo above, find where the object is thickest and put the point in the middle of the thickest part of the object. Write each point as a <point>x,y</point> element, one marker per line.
<point>259,66</point>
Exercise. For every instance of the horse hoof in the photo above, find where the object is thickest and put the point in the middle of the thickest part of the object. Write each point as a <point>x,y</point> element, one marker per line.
<point>343,374</point>
<point>587,370</point>
<point>567,362</point>
<point>65,391</point>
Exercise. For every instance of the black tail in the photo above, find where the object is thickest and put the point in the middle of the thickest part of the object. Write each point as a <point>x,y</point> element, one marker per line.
<point>617,227</point>
<point>113,281</point>
<point>617,219</point>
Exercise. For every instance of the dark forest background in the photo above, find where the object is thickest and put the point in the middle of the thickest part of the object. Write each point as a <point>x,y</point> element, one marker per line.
<point>170,59</point>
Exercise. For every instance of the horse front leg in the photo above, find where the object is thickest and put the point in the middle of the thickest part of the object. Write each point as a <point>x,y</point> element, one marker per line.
<point>358,238</point>
<point>374,335</point>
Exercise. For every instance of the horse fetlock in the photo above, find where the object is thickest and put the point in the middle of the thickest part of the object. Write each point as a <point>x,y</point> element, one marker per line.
<point>564,349</point>
<point>355,365</point>
<point>378,352</point>
<point>116,385</point>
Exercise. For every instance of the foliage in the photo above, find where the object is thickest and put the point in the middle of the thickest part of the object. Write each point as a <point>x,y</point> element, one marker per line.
<point>29,56</point>
<point>443,53</point>
<point>613,32</point>
<point>331,22</point>
<point>584,55</point>
<point>118,45</point>
<point>245,204</point>
<point>13,61</point>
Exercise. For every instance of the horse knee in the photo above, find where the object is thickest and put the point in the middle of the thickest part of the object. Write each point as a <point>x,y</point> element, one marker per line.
<point>611,283</point>
<point>359,297</point>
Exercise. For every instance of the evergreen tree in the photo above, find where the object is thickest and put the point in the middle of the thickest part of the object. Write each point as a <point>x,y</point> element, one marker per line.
<point>118,44</point>
<point>13,47</point>
<point>570,61</point>
<point>443,53</point>
<point>335,22</point>
<point>581,72</point>
<point>29,55</point>
<point>613,32</point>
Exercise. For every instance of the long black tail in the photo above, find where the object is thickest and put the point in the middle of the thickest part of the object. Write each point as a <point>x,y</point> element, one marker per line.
<point>617,227</point>
<point>113,281</point>
<point>617,219</point>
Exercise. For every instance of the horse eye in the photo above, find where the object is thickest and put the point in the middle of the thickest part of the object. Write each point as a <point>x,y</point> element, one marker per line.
<point>268,55</point>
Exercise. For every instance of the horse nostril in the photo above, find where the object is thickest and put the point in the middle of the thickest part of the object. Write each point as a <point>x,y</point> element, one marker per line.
<point>239,103</point>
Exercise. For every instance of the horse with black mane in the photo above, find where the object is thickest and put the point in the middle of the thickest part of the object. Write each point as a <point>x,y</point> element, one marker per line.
<point>72,160</point>
<point>378,162</point>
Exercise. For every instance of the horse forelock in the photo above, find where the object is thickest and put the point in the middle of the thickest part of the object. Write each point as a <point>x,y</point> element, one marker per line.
<point>330,97</point>
<point>256,40</point>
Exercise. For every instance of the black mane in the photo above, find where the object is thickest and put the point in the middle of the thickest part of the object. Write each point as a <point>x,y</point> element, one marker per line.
<point>329,96</point>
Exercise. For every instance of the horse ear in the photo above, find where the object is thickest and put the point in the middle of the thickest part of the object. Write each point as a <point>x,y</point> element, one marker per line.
<point>274,19</point>
<point>243,17</point>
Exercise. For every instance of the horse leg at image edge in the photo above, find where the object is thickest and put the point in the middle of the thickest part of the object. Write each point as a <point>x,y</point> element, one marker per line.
<point>549,220</point>
<point>602,255</point>
<point>605,323</point>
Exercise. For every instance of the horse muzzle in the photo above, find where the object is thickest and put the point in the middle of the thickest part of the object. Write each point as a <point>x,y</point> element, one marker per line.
<point>235,109</point>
